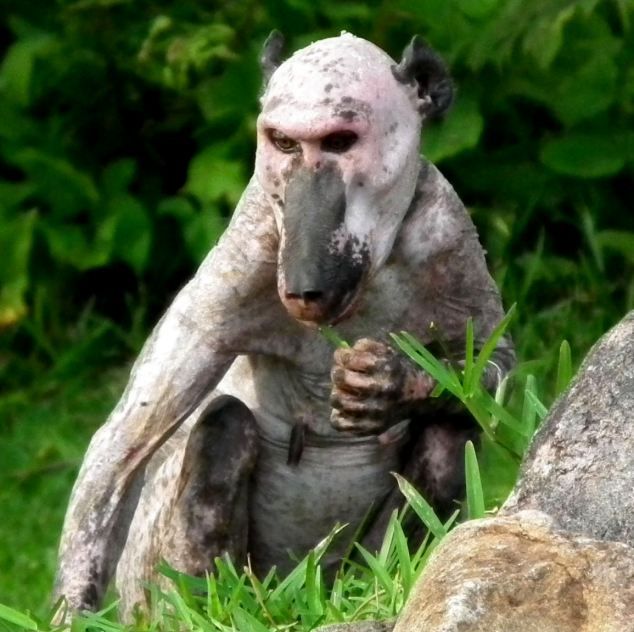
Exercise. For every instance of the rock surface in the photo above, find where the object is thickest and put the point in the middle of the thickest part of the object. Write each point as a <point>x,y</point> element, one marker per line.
<point>580,467</point>
<point>360,626</point>
<point>518,574</point>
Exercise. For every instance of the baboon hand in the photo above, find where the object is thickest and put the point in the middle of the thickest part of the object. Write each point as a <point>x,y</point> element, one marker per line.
<point>374,387</point>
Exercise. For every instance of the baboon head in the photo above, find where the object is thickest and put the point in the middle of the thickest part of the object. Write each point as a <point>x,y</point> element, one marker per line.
<point>338,157</point>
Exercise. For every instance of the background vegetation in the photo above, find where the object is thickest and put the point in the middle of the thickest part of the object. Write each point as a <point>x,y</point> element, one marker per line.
<point>127,135</point>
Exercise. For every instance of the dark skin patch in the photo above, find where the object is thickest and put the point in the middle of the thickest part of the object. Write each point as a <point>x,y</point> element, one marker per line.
<point>348,115</point>
<point>350,109</point>
<point>315,209</point>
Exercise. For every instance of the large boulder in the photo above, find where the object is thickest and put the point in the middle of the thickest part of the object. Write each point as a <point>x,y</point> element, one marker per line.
<point>519,574</point>
<point>580,467</point>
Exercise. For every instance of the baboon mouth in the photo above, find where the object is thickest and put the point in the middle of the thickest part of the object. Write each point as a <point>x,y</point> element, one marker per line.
<point>328,309</point>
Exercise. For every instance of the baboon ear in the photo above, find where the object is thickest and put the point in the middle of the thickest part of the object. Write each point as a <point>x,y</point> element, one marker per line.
<point>421,64</point>
<point>272,55</point>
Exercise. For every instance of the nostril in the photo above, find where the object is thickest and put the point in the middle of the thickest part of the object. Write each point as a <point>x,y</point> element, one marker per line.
<point>309,296</point>
<point>312,295</point>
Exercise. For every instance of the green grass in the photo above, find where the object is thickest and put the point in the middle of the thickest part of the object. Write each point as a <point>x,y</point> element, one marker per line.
<point>45,430</point>
<point>41,458</point>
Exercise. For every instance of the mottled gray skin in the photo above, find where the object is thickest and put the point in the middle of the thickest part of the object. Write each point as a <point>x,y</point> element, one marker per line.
<point>580,467</point>
<point>179,475</point>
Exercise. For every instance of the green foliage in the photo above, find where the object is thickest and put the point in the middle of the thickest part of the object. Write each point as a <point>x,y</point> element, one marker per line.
<point>127,135</point>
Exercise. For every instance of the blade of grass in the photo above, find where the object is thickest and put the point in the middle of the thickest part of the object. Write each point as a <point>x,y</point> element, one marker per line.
<point>378,569</point>
<point>421,507</point>
<point>475,494</point>
<point>17,618</point>
<point>469,350</point>
<point>488,348</point>
<point>564,368</point>
<point>329,333</point>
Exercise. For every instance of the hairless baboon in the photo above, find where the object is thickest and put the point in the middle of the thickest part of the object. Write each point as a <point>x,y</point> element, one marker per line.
<point>240,430</point>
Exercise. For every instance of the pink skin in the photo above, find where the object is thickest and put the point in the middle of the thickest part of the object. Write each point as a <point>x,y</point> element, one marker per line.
<point>342,85</point>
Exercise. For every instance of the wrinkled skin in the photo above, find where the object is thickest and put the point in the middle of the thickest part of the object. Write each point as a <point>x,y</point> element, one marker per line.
<point>374,388</point>
<point>240,430</point>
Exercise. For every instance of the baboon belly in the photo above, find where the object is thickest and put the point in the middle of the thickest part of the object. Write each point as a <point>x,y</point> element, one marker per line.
<point>293,507</point>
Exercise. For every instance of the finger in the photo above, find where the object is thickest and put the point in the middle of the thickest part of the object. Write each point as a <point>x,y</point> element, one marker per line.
<point>363,361</point>
<point>351,381</point>
<point>355,426</point>
<point>364,384</point>
<point>352,406</point>
<point>371,346</point>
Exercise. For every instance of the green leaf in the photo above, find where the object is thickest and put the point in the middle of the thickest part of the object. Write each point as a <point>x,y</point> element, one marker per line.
<point>585,91</point>
<point>544,38</point>
<point>178,207</point>
<point>202,231</point>
<point>118,176</point>
<point>70,244</point>
<point>67,189</point>
<point>475,495</point>
<point>442,373</point>
<point>489,347</point>
<point>540,409</point>
<point>478,9</point>
<point>529,411</point>
<point>421,507</point>
<point>379,571</point>
<point>132,235</point>
<point>459,131</point>
<point>17,618</point>
<point>211,178</point>
<point>498,470</point>
<point>564,368</point>
<point>584,155</point>
<point>619,241</point>
<point>331,335</point>
<point>502,415</point>
<point>16,72</point>
<point>16,238</point>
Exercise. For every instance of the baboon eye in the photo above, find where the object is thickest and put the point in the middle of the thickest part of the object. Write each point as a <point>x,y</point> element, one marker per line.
<point>339,142</point>
<point>283,142</point>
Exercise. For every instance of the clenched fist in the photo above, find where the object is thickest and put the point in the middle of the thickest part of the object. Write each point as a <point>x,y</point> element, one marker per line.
<point>374,387</point>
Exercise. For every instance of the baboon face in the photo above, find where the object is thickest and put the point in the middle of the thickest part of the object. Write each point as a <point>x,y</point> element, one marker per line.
<point>338,156</point>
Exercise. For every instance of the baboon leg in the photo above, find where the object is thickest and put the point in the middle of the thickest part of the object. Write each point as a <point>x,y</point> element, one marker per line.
<point>193,507</point>
<point>433,462</point>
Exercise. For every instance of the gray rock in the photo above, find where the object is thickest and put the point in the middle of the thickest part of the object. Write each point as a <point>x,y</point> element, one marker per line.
<point>580,467</point>
<point>518,574</point>
<point>360,626</point>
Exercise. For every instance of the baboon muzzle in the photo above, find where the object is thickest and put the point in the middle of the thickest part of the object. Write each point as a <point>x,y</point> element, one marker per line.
<point>318,271</point>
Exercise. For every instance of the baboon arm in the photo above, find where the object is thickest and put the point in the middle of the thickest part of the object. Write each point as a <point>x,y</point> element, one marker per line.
<point>186,355</point>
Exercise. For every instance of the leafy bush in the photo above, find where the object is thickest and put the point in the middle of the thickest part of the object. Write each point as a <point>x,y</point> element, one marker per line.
<point>126,137</point>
